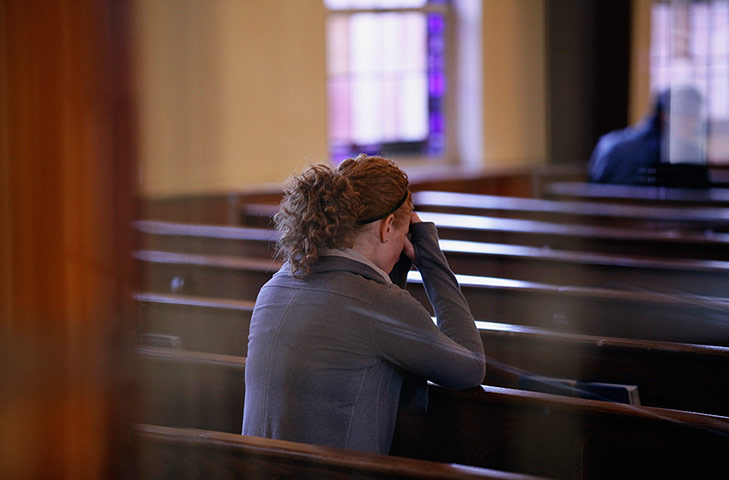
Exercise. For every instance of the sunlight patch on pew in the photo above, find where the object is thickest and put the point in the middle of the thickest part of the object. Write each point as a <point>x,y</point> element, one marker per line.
<point>416,277</point>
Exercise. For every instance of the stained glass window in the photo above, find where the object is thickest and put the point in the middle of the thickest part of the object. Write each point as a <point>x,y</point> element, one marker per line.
<point>386,77</point>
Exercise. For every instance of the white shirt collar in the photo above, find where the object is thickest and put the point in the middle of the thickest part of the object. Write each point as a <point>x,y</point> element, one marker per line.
<point>353,254</point>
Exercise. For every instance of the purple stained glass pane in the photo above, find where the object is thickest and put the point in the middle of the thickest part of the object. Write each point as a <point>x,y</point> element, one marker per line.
<point>436,45</point>
<point>436,83</point>
<point>436,24</point>
<point>436,122</point>
<point>433,61</point>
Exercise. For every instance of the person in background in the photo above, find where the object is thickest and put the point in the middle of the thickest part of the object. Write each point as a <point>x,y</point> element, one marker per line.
<point>336,344</point>
<point>664,149</point>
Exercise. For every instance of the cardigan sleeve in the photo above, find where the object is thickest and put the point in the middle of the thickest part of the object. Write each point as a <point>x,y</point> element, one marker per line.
<point>450,354</point>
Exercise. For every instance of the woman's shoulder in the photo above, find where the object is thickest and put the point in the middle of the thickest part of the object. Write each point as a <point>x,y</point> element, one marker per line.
<point>391,300</point>
<point>336,276</point>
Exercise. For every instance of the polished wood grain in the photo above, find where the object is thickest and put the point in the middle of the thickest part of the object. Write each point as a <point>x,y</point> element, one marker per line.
<point>491,427</point>
<point>647,313</point>
<point>638,194</point>
<point>172,453</point>
<point>67,180</point>
<point>578,211</point>
<point>668,374</point>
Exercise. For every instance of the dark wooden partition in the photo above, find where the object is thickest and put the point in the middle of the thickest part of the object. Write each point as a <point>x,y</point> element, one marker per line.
<point>67,142</point>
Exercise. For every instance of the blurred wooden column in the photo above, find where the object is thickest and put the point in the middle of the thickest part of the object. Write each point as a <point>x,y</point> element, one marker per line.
<point>67,181</point>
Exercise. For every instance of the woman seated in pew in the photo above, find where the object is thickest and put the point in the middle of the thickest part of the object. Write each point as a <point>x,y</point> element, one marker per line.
<point>336,344</point>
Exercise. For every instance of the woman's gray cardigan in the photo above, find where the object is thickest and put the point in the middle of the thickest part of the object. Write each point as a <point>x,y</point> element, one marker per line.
<point>328,352</point>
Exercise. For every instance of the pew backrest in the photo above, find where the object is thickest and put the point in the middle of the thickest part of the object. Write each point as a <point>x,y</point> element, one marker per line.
<point>210,239</point>
<point>572,211</point>
<point>641,313</point>
<point>216,325</point>
<point>560,436</point>
<point>638,194</point>
<point>668,243</point>
<point>173,453</point>
<point>490,427</point>
<point>191,389</point>
<point>673,375</point>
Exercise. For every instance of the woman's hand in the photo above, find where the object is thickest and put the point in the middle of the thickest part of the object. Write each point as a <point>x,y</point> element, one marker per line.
<point>408,249</point>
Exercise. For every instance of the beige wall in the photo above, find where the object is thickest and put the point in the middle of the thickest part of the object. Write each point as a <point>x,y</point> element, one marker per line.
<point>640,101</point>
<point>232,92</point>
<point>514,79</point>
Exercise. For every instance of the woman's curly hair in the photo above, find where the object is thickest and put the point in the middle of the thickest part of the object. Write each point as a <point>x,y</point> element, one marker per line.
<point>324,207</point>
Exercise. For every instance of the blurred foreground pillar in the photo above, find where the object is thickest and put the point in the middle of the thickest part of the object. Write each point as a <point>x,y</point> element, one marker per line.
<point>66,201</point>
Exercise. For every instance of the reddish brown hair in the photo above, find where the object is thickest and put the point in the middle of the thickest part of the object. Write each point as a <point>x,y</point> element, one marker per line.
<point>322,206</point>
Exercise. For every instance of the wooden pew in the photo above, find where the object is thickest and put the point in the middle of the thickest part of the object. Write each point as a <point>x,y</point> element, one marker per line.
<point>205,275</point>
<point>174,453</point>
<point>260,242</point>
<point>489,427</point>
<point>562,437</point>
<point>696,276</point>
<point>207,239</point>
<point>642,217</point>
<point>183,388</point>
<point>215,325</point>
<point>631,194</point>
<point>669,375</point>
<point>599,311</point>
<point>257,214</point>
<point>674,275</point>
<point>672,375</point>
<point>595,311</point>
<point>670,244</point>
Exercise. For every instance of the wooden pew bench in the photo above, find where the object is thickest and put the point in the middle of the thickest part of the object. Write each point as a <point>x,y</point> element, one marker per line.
<point>174,453</point>
<point>593,311</point>
<point>207,239</point>
<point>191,389</point>
<point>600,311</point>
<point>642,217</point>
<point>488,427</point>
<point>672,244</point>
<point>205,275</point>
<point>671,375</point>
<point>260,242</point>
<point>203,324</point>
<point>562,437</point>
<point>697,276</point>
<point>633,194</point>
<point>672,275</point>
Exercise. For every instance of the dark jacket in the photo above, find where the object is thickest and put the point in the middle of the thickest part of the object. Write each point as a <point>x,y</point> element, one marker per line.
<point>629,156</point>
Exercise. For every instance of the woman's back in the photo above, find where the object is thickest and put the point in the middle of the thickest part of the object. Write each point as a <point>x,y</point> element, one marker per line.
<point>332,339</point>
